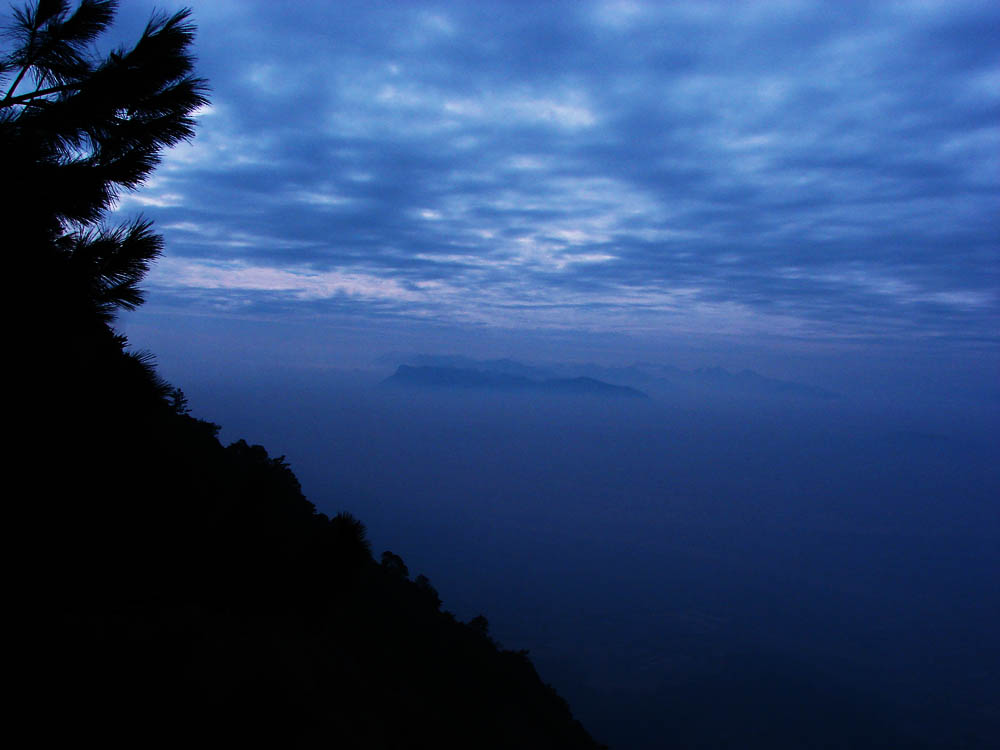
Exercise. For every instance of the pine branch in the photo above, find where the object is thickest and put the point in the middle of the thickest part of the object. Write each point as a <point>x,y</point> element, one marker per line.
<point>9,101</point>
<point>55,46</point>
<point>91,128</point>
<point>17,82</point>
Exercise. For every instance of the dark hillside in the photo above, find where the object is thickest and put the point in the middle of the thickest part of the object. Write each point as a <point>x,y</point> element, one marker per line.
<point>176,592</point>
<point>191,591</point>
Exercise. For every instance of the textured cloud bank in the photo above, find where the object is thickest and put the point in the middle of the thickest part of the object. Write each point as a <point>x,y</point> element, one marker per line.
<point>810,169</point>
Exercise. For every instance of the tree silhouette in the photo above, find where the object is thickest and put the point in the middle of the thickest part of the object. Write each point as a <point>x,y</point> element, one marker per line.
<point>77,129</point>
<point>177,591</point>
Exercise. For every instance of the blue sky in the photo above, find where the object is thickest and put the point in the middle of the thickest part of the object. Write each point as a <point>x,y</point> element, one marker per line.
<point>798,175</point>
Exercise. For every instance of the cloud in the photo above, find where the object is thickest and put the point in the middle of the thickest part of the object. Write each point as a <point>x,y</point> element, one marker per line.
<point>812,168</point>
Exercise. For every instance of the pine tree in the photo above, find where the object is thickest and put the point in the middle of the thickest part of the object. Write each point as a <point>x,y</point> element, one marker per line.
<point>76,129</point>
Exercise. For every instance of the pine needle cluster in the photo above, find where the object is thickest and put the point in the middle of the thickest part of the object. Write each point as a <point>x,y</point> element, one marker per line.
<point>76,129</point>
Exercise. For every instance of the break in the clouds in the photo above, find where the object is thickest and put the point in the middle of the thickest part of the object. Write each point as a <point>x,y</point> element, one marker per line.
<point>803,168</point>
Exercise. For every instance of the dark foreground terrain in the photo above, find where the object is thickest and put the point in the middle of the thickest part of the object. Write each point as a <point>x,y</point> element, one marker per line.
<point>184,593</point>
<point>715,573</point>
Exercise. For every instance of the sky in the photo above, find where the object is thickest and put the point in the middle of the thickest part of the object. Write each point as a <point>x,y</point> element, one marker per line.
<point>807,189</point>
<point>776,185</point>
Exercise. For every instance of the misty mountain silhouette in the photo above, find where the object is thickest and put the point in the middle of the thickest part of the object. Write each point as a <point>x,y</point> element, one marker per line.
<point>456,377</point>
<point>456,370</point>
<point>504,366</point>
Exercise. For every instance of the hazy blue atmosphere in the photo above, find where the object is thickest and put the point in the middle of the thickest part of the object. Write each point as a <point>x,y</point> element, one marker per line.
<point>700,566</point>
<point>778,221</point>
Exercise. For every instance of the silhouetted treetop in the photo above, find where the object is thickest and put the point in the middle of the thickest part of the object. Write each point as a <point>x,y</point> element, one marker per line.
<point>76,129</point>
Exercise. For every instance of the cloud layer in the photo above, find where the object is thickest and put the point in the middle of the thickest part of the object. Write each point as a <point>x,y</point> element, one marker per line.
<point>807,169</point>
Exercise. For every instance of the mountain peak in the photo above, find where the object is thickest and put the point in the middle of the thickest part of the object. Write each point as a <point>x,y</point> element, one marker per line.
<point>452,378</point>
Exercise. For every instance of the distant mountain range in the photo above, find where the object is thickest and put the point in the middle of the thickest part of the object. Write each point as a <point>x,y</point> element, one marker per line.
<point>446,371</point>
<point>457,377</point>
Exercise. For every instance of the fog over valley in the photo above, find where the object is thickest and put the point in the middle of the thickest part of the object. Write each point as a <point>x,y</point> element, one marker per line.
<point>730,545</point>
